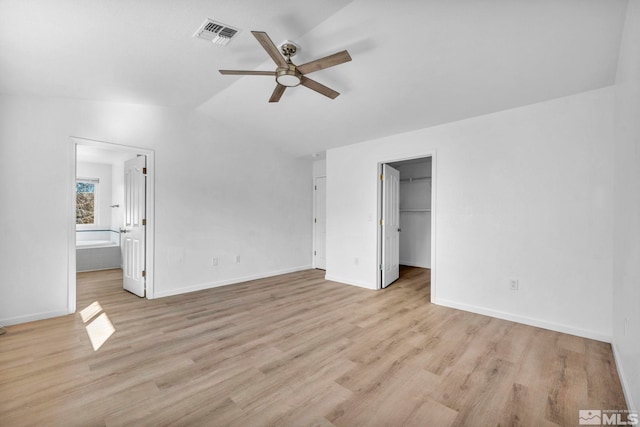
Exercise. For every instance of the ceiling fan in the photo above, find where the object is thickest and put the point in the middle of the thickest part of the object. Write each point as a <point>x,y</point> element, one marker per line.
<point>290,75</point>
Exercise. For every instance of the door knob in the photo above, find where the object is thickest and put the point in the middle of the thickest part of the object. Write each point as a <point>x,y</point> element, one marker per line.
<point>124,230</point>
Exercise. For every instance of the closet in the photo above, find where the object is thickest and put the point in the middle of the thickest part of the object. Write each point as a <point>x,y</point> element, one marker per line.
<point>415,212</point>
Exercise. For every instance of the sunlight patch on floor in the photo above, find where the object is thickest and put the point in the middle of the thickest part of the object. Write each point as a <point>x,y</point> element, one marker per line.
<point>101,328</point>
<point>92,310</point>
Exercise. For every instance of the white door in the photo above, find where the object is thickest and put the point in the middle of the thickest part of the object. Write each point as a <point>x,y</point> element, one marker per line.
<point>320,222</point>
<point>390,225</point>
<point>133,237</point>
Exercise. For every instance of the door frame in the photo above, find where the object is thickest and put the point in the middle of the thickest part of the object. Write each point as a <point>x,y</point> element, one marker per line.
<point>434,214</point>
<point>71,209</point>
<point>315,210</point>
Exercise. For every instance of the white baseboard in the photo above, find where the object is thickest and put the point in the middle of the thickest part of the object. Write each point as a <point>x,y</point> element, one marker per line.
<point>631,406</point>
<point>347,282</point>
<point>414,264</point>
<point>32,317</point>
<point>585,333</point>
<point>233,281</point>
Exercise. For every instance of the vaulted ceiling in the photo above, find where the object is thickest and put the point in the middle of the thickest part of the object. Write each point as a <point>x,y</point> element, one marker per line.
<point>415,63</point>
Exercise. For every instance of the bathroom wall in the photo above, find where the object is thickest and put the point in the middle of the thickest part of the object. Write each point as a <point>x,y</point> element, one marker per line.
<point>117,195</point>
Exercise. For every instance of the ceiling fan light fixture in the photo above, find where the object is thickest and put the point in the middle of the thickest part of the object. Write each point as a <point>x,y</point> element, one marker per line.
<point>289,76</point>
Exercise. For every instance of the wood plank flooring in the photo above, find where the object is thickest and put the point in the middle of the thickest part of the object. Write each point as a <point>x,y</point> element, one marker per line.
<point>296,350</point>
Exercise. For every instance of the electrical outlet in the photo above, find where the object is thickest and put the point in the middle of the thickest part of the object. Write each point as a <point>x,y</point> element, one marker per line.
<point>214,261</point>
<point>513,284</point>
<point>237,259</point>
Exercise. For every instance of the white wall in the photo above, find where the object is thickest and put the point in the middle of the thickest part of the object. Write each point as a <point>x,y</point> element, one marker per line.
<point>104,174</point>
<point>217,194</point>
<point>524,193</point>
<point>626,247</point>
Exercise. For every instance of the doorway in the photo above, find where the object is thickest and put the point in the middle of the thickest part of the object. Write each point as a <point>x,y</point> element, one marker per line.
<point>101,219</point>
<point>319,222</point>
<point>406,202</point>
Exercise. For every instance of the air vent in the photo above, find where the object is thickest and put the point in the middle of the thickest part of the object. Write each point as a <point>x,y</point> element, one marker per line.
<point>216,32</point>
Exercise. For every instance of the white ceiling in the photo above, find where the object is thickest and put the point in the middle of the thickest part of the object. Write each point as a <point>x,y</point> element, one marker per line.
<point>416,63</point>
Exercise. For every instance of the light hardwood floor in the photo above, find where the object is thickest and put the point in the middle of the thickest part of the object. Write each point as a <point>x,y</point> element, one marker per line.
<point>301,351</point>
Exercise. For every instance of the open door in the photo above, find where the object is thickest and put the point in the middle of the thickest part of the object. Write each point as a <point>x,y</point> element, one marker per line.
<point>390,225</point>
<point>320,223</point>
<point>133,233</point>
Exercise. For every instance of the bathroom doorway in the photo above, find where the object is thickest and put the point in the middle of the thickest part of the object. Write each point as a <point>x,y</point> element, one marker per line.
<point>100,231</point>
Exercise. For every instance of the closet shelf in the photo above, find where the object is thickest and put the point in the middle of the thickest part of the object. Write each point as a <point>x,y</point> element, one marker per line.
<point>418,178</point>
<point>414,210</point>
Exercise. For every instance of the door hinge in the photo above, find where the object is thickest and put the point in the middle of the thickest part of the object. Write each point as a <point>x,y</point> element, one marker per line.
<point>144,221</point>
<point>314,253</point>
<point>144,273</point>
<point>315,187</point>
<point>144,171</point>
<point>381,177</point>
<point>315,220</point>
<point>381,222</point>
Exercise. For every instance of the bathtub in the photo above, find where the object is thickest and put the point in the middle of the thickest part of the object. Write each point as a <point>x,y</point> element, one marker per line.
<point>97,250</point>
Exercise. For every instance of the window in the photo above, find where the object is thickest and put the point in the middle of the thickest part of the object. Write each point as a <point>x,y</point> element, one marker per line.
<point>86,201</point>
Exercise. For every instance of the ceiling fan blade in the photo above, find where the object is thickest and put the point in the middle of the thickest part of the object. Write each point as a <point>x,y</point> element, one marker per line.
<point>326,62</point>
<point>248,73</point>
<point>277,93</point>
<point>320,88</point>
<point>271,48</point>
